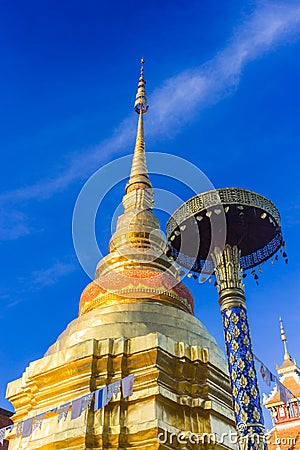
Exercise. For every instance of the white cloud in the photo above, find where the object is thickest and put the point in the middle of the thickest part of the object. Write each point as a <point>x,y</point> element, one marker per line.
<point>13,225</point>
<point>50,275</point>
<point>173,103</point>
<point>272,23</point>
<point>35,281</point>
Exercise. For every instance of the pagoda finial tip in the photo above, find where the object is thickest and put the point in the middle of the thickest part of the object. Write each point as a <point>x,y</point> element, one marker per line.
<point>141,106</point>
<point>284,340</point>
<point>142,68</point>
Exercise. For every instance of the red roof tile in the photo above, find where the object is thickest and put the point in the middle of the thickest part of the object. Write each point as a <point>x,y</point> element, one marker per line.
<point>288,439</point>
<point>291,384</point>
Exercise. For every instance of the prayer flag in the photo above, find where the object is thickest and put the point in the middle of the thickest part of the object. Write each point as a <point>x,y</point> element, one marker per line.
<point>19,429</point>
<point>2,435</point>
<point>127,386</point>
<point>38,421</point>
<point>99,397</point>
<point>273,377</point>
<point>284,393</point>
<point>111,389</point>
<point>87,400</point>
<point>76,408</point>
<point>63,411</point>
<point>265,374</point>
<point>27,427</point>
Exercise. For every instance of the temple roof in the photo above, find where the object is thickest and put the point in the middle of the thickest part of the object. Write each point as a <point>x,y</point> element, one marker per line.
<point>285,438</point>
<point>287,364</point>
<point>291,382</point>
<point>289,374</point>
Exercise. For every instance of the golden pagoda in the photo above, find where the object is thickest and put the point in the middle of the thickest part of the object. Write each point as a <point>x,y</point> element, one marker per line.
<point>136,317</point>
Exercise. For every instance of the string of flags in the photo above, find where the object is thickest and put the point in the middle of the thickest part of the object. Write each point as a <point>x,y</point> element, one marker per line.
<point>101,398</point>
<point>285,394</point>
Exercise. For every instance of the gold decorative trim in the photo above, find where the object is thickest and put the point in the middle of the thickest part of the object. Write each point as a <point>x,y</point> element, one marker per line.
<point>221,197</point>
<point>135,295</point>
<point>228,271</point>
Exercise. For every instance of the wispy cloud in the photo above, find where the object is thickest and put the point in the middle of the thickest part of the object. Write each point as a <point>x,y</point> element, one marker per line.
<point>13,225</point>
<point>271,24</point>
<point>79,168</point>
<point>35,281</point>
<point>49,276</point>
<point>291,213</point>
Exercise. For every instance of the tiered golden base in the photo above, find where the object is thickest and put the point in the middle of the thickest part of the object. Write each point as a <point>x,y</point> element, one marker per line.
<point>179,385</point>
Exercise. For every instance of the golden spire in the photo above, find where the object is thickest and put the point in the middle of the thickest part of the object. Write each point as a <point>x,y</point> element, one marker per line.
<point>284,340</point>
<point>137,268</point>
<point>138,240</point>
<point>139,178</point>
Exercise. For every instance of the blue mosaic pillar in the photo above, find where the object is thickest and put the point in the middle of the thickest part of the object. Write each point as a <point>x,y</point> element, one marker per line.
<point>245,392</point>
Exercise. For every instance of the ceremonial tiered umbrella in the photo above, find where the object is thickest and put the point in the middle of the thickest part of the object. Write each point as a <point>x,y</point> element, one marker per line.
<point>225,232</point>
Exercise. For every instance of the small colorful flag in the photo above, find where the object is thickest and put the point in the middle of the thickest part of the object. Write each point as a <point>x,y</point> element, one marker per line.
<point>38,421</point>
<point>265,374</point>
<point>111,389</point>
<point>273,377</point>
<point>87,400</point>
<point>284,393</point>
<point>99,397</point>
<point>127,386</point>
<point>19,429</point>
<point>27,427</point>
<point>63,411</point>
<point>76,408</point>
<point>2,435</point>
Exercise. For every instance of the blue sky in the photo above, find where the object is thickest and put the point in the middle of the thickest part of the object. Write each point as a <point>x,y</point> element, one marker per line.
<point>223,87</point>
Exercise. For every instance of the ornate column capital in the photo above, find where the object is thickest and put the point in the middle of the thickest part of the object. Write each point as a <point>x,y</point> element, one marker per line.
<point>229,275</point>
